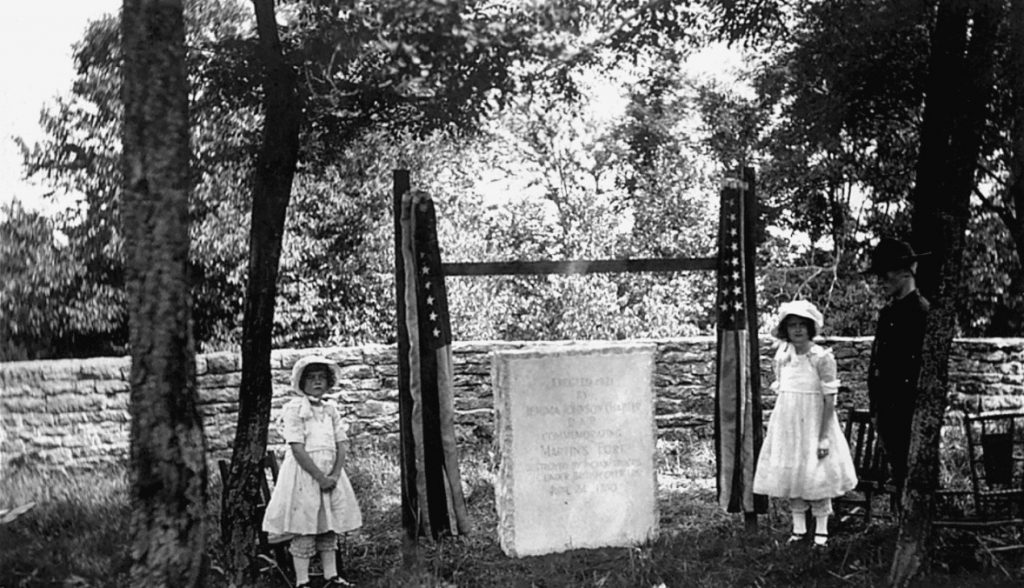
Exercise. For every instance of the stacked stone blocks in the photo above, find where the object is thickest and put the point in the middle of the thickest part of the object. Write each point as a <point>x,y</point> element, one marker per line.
<point>74,413</point>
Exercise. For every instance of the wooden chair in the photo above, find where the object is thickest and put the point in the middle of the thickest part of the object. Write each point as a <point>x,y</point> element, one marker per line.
<point>870,463</point>
<point>274,553</point>
<point>995,452</point>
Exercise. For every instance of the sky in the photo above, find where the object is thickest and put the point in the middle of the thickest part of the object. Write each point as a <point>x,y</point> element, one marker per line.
<point>36,66</point>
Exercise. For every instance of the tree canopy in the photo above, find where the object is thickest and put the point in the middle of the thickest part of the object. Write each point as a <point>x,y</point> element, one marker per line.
<point>552,130</point>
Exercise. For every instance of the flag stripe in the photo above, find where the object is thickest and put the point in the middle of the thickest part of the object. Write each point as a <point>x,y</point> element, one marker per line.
<point>733,418</point>
<point>412,324</point>
<point>440,506</point>
<point>726,420</point>
<point>431,315</point>
<point>444,481</point>
<point>458,513</point>
<point>433,452</point>
<point>758,502</point>
<point>736,393</point>
<point>407,449</point>
<point>736,479</point>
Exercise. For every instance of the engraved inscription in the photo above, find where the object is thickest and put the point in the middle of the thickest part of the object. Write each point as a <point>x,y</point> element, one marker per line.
<point>577,449</point>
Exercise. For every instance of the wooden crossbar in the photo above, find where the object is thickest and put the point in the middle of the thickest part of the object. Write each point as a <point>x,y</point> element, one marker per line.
<point>579,266</point>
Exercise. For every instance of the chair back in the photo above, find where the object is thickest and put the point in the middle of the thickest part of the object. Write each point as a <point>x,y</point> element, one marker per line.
<point>995,445</point>
<point>269,478</point>
<point>865,448</point>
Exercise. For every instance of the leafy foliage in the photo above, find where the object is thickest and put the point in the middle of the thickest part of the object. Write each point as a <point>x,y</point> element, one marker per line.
<point>839,158</point>
<point>48,301</point>
<point>503,114</point>
<point>81,156</point>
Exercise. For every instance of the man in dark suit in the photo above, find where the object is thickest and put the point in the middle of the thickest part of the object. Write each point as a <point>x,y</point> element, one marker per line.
<point>896,351</point>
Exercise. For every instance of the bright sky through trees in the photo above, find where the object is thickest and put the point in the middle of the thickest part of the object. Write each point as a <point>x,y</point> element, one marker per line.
<point>35,66</point>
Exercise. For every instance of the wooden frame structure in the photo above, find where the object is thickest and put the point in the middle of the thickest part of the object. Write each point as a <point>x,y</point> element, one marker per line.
<point>742,269</point>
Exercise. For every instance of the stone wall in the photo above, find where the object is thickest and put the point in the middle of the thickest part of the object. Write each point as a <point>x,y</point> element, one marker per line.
<point>74,413</point>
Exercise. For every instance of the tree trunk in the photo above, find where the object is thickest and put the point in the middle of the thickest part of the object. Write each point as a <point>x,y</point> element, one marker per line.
<point>275,170</point>
<point>1015,188</point>
<point>168,457</point>
<point>956,111</point>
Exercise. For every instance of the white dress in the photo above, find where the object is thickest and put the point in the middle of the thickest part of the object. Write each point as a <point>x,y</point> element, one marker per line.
<point>297,505</point>
<point>788,465</point>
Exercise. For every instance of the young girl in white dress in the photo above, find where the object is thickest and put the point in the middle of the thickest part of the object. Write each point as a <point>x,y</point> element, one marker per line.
<point>313,500</point>
<point>804,457</point>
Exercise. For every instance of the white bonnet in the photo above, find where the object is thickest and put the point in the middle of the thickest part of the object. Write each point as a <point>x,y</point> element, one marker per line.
<point>301,365</point>
<point>801,308</point>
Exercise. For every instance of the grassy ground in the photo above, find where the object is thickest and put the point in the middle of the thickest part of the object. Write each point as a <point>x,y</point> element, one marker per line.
<point>76,537</point>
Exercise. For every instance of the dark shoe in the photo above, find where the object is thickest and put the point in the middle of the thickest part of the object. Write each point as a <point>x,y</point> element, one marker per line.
<point>796,538</point>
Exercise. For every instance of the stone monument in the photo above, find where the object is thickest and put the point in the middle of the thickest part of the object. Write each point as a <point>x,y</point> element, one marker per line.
<point>576,440</point>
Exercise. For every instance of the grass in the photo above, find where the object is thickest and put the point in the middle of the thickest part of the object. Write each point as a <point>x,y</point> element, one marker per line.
<point>76,537</point>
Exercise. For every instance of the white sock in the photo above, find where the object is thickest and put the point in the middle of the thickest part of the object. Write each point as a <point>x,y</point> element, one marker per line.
<point>799,523</point>
<point>329,564</point>
<point>301,569</point>
<point>821,529</point>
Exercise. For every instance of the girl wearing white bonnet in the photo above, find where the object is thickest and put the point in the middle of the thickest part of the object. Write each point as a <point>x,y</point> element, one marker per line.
<point>805,457</point>
<point>313,500</point>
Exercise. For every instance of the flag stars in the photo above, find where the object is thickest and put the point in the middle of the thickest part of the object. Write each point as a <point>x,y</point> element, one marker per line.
<point>425,270</point>
<point>430,301</point>
<point>437,332</point>
<point>433,317</point>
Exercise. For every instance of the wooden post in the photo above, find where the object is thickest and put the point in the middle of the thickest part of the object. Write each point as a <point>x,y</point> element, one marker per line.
<point>407,452</point>
<point>750,287</point>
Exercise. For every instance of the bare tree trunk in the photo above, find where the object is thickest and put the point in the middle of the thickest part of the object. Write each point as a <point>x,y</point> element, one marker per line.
<point>275,170</point>
<point>168,457</point>
<point>1015,189</point>
<point>956,110</point>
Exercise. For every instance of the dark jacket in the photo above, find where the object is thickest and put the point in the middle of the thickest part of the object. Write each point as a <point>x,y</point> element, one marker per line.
<point>892,376</point>
<point>896,356</point>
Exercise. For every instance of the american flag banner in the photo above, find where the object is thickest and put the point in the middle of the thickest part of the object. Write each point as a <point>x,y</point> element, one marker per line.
<point>432,498</point>
<point>738,432</point>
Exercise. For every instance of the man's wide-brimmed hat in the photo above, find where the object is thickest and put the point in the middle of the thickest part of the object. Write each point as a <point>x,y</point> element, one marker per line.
<point>892,254</point>
<point>800,308</point>
<point>301,365</point>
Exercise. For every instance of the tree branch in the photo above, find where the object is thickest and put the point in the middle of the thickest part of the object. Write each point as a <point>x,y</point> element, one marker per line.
<point>1004,212</point>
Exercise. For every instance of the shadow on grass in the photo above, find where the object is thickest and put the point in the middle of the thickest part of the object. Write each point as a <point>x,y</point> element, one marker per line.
<point>76,536</point>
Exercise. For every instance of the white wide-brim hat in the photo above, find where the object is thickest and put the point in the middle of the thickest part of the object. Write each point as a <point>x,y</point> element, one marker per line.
<point>303,363</point>
<point>801,308</point>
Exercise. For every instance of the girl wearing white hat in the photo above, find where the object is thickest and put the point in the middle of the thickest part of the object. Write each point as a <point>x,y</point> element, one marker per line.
<point>313,500</point>
<point>804,457</point>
